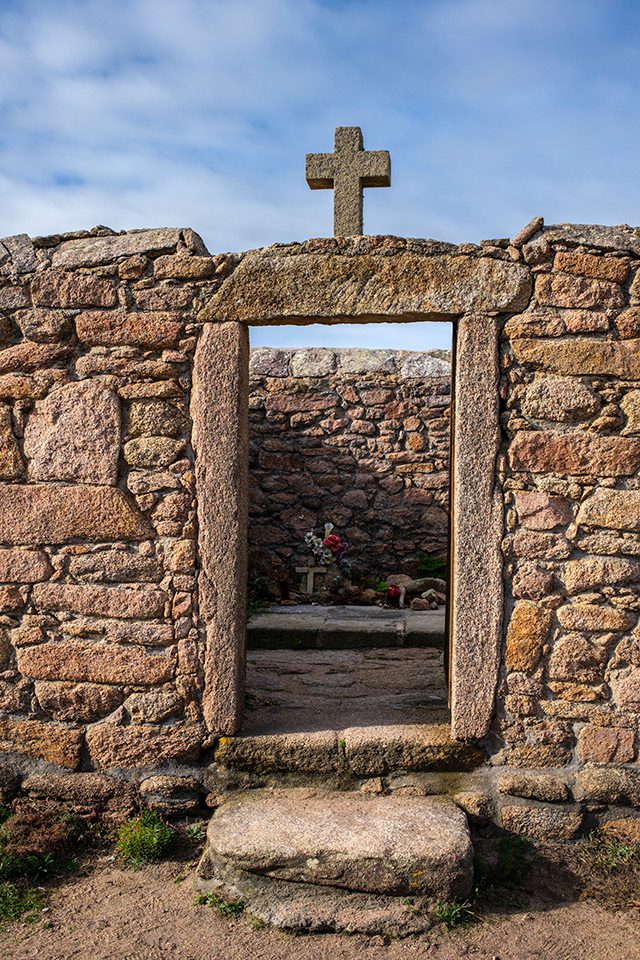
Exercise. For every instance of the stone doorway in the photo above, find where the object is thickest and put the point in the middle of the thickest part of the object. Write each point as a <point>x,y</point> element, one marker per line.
<point>356,440</point>
<point>361,280</point>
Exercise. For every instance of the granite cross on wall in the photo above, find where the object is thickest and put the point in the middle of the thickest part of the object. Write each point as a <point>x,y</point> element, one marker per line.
<point>348,170</point>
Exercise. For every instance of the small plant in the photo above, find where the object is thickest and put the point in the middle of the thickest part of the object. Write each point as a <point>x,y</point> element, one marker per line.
<point>454,913</point>
<point>431,565</point>
<point>16,901</point>
<point>145,839</point>
<point>612,854</point>
<point>195,832</point>
<point>226,908</point>
<point>342,744</point>
<point>377,584</point>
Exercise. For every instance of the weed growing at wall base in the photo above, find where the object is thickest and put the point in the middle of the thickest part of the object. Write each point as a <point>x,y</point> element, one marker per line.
<point>145,839</point>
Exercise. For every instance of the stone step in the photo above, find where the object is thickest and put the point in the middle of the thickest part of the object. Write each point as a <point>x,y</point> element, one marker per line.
<point>359,751</point>
<point>292,854</point>
<point>337,628</point>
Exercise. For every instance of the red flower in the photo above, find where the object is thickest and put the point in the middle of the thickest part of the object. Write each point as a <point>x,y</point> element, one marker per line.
<point>333,542</point>
<point>393,591</point>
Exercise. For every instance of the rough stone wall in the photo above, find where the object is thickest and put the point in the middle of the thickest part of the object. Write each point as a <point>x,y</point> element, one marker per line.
<point>356,437</point>
<point>101,666</point>
<point>570,690</point>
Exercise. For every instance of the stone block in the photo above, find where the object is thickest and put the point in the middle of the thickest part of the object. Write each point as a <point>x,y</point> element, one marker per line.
<point>565,290</point>
<point>539,511</point>
<point>609,785</point>
<point>154,706</point>
<point>424,365</point>
<point>153,451</point>
<point>14,297</point>
<point>147,745</point>
<point>593,617</point>
<point>593,572</point>
<point>534,786</point>
<point>113,601</point>
<point>526,635</point>
<point>95,251</point>
<point>574,453</point>
<point>11,464</point>
<point>625,689</point>
<point>74,434</point>
<point>153,418</point>
<point>77,702</point>
<point>564,399</point>
<point>113,327</point>
<point>87,661</point>
<point>181,267</point>
<point>172,796</point>
<point>613,509</point>
<point>44,326</point>
<point>614,269</point>
<point>627,324</point>
<point>116,566</point>
<point>11,599</point>
<point>267,286</point>
<point>27,356</point>
<point>52,742</point>
<point>86,793</point>
<point>314,362</point>
<point>575,658</point>
<point>606,744</point>
<point>551,824</point>
<point>57,288</point>
<point>624,829</point>
<point>21,251</point>
<point>622,239</point>
<point>581,355</point>
<point>50,513</point>
<point>534,544</point>
<point>630,406</point>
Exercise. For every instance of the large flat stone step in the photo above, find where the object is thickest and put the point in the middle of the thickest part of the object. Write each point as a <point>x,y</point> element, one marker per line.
<point>321,844</point>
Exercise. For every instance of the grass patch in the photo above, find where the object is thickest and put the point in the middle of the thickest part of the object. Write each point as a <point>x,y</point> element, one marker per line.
<point>19,901</point>
<point>615,854</point>
<point>455,913</point>
<point>145,839</point>
<point>226,908</point>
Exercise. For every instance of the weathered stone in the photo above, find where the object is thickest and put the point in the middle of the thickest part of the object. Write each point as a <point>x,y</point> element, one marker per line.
<point>581,355</point>
<point>180,557</point>
<point>630,406</point>
<point>575,658</point>
<point>133,267</point>
<point>614,509</point>
<point>156,418</point>
<point>620,238</point>
<point>356,360</point>
<point>49,513</point>
<point>24,357</point>
<point>115,566</point>
<point>315,362</point>
<point>574,453</point>
<point>590,572</point>
<point>95,251</point>
<point>592,616</point>
<point>552,824</point>
<point>101,601</point>
<point>86,793</point>
<point>14,297</point>
<point>18,386</point>
<point>171,796</point>
<point>11,465</point>
<point>77,702</point>
<point>534,786</point>
<point>606,744</point>
<point>181,267</point>
<point>24,566</point>
<point>560,399</point>
<point>74,434</point>
<point>153,706</point>
<point>602,785</point>
<point>424,365</point>
<point>11,599</point>
<point>43,326</point>
<point>269,362</point>
<point>625,689</point>
<point>526,635</point>
<point>528,232</point>
<point>614,269</point>
<point>625,829</point>
<point>565,290</point>
<point>94,662</point>
<point>585,321</point>
<point>21,250</point>
<point>627,324</point>
<point>110,327</point>
<point>57,288</point>
<point>531,581</point>
<point>533,544</point>
<point>99,364</point>
<point>142,746</point>
<point>164,298</point>
<point>153,451</point>
<point>397,845</point>
<point>537,322</point>
<point>538,511</point>
<point>44,741</point>
<point>268,286</point>
<point>120,631</point>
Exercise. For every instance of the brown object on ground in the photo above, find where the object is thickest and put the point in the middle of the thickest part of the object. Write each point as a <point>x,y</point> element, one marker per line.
<point>146,914</point>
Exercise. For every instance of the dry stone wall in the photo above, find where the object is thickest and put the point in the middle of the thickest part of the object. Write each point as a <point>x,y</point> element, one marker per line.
<point>356,437</point>
<point>101,666</point>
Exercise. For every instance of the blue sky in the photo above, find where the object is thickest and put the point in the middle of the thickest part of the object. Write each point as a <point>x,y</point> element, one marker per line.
<point>199,112</point>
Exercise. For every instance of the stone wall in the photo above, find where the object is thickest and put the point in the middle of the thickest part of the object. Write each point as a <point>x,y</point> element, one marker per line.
<point>356,437</point>
<point>102,643</point>
<point>101,665</point>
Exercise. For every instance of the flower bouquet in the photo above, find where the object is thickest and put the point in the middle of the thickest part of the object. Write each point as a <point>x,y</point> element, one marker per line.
<point>329,549</point>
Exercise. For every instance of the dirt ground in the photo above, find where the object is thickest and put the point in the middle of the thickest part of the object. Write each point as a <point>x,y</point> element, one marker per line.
<point>109,912</point>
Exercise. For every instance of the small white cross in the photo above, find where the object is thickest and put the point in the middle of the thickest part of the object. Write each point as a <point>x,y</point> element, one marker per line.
<point>311,572</point>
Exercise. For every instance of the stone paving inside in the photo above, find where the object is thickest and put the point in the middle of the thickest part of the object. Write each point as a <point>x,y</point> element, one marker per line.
<point>316,668</point>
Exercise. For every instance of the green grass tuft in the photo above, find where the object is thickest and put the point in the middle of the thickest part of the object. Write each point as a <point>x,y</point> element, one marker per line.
<point>612,854</point>
<point>226,908</point>
<point>145,839</point>
<point>17,901</point>
<point>454,913</point>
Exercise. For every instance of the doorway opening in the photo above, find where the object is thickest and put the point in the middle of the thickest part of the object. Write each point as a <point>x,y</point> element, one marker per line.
<point>349,526</point>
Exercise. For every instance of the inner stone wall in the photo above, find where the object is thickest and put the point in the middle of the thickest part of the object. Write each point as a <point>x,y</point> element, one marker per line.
<point>356,437</point>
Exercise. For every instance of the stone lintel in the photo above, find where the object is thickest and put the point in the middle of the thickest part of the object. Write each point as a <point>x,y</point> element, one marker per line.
<point>275,286</point>
<point>477,601</point>
<point>219,409</point>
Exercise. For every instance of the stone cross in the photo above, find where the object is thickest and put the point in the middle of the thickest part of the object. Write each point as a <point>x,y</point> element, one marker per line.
<point>348,170</point>
<point>311,572</point>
